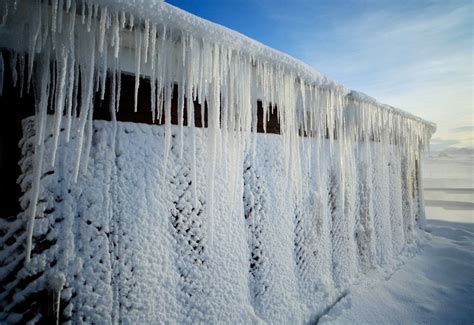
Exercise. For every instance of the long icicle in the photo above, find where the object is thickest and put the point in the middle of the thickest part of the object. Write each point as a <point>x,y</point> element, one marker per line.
<point>40,114</point>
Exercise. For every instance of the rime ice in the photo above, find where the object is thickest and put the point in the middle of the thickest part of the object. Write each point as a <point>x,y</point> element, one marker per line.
<point>346,160</point>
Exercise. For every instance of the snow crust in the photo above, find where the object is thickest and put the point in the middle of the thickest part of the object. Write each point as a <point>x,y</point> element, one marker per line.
<point>133,241</point>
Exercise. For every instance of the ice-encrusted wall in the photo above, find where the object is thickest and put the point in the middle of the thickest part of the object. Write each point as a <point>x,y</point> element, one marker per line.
<point>71,55</point>
<point>130,242</point>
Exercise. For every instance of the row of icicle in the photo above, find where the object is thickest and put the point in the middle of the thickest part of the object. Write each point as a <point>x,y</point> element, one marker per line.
<point>72,48</point>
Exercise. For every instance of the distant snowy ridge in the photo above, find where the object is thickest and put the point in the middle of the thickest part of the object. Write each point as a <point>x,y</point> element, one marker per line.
<point>453,151</point>
<point>125,244</point>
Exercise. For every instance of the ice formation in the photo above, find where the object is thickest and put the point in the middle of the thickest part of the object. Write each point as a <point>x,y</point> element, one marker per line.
<point>124,244</point>
<point>68,50</point>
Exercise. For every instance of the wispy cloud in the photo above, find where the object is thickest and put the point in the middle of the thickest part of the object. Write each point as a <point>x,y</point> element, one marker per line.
<point>441,144</point>
<point>462,129</point>
<point>417,57</point>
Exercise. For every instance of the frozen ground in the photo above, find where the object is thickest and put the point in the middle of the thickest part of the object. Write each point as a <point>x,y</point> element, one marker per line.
<point>437,285</point>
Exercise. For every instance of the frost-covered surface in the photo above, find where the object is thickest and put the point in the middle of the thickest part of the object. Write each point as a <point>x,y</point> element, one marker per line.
<point>437,285</point>
<point>139,223</point>
<point>134,241</point>
<point>71,51</point>
<point>434,287</point>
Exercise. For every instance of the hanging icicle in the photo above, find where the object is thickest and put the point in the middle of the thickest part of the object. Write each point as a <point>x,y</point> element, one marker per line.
<point>224,72</point>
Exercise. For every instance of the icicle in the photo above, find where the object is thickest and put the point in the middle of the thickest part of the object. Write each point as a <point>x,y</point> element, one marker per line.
<point>146,38</point>
<point>213,129</point>
<point>83,13</point>
<point>103,76</point>
<point>153,73</point>
<point>58,111</point>
<point>54,13</point>
<point>89,16</point>
<point>87,81</point>
<point>44,26</point>
<point>182,87</point>
<point>224,103</point>
<point>75,94</point>
<point>71,85</point>
<point>40,120</point>
<point>103,21</point>
<point>131,22</point>
<point>123,20</point>
<point>53,89</point>
<point>73,77</point>
<point>32,45</point>
<point>119,87</point>
<point>116,28</point>
<point>162,59</point>
<point>88,138</point>
<point>95,7</point>
<point>112,105</point>
<point>138,50</point>
<point>190,118</point>
<point>200,96</point>
<point>168,96</point>
<point>97,72</point>
<point>56,285</point>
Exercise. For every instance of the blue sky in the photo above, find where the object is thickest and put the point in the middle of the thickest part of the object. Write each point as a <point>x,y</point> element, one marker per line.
<point>416,55</point>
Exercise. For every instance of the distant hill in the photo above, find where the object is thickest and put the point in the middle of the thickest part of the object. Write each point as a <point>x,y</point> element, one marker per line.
<point>452,151</point>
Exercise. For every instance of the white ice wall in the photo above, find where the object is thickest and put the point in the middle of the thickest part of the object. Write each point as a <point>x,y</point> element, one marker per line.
<point>134,244</point>
<point>71,53</point>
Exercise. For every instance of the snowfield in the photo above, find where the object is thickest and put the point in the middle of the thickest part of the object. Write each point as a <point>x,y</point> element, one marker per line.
<point>436,286</point>
<point>449,185</point>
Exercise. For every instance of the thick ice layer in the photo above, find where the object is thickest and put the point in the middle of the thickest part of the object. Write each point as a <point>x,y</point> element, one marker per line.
<point>127,243</point>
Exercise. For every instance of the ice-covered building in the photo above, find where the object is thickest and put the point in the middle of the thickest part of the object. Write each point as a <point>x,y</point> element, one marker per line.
<point>172,170</point>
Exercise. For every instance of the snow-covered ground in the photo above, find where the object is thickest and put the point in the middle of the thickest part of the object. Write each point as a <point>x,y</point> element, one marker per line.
<point>449,186</point>
<point>436,286</point>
